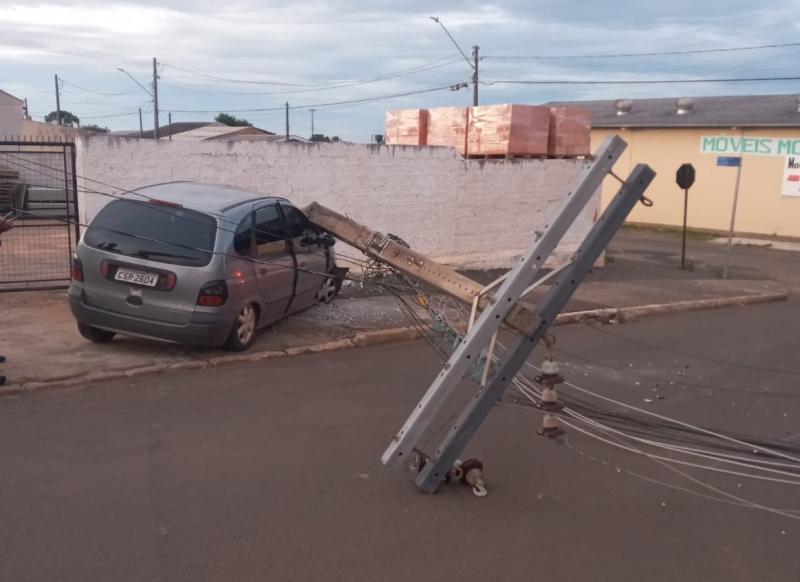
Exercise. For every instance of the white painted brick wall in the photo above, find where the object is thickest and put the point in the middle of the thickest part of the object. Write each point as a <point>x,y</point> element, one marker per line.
<point>465,212</point>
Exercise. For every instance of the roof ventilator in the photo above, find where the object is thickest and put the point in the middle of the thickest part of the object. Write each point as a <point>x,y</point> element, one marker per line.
<point>623,106</point>
<point>684,105</point>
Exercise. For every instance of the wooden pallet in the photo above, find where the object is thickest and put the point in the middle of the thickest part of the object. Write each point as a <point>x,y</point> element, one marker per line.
<point>505,157</point>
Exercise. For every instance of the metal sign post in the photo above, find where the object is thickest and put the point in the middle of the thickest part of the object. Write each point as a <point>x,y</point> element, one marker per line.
<point>731,162</point>
<point>685,178</point>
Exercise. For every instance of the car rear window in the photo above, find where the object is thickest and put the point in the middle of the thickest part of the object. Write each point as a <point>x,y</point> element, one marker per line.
<point>156,232</point>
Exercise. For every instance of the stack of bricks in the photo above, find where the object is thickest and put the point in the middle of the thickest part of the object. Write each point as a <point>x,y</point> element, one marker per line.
<point>570,132</point>
<point>406,127</point>
<point>494,130</point>
<point>447,126</point>
<point>508,130</point>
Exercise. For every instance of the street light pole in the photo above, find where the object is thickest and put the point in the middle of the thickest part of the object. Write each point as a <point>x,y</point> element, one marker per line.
<point>473,64</point>
<point>312,122</point>
<point>153,94</point>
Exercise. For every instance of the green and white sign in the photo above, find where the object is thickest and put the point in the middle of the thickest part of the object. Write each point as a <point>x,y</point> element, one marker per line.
<point>755,146</point>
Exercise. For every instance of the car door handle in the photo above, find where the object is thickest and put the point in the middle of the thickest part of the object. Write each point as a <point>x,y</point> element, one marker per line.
<point>263,271</point>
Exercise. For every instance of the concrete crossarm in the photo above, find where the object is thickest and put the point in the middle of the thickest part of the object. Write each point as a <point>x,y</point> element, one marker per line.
<point>371,242</point>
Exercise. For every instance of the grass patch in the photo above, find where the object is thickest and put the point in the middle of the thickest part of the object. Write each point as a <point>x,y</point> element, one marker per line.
<point>677,231</point>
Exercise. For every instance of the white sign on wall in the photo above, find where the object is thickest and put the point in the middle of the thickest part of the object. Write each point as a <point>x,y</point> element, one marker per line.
<point>791,176</point>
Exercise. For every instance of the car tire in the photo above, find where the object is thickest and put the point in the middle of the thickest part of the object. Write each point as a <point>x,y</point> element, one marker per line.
<point>243,333</point>
<point>329,289</point>
<point>95,334</point>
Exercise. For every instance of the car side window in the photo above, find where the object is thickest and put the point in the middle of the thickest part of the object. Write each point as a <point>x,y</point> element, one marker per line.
<point>243,238</point>
<point>270,236</point>
<point>297,223</point>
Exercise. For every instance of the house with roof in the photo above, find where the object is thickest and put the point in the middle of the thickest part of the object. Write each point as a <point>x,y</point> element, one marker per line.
<point>762,131</point>
<point>12,113</point>
<point>197,130</point>
<point>16,124</point>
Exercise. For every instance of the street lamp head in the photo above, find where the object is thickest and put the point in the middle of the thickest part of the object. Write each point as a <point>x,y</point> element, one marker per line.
<point>434,18</point>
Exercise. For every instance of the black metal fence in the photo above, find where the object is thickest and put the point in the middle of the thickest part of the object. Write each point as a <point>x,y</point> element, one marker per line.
<point>39,193</point>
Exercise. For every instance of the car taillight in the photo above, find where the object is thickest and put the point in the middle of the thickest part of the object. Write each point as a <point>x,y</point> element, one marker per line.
<point>171,280</point>
<point>213,294</point>
<point>104,268</point>
<point>77,269</point>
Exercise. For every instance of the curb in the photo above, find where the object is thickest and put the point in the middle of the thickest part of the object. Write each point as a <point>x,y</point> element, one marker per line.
<point>386,336</point>
<point>628,314</point>
<point>359,340</point>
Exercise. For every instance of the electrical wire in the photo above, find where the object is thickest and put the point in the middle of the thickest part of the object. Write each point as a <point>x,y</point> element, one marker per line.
<point>645,54</point>
<point>620,469</point>
<point>339,256</point>
<point>702,430</point>
<point>637,81</point>
<point>694,356</point>
<point>771,394</point>
<point>342,85</point>
<point>114,115</point>
<point>451,87</point>
<point>105,93</point>
<point>686,475</point>
<point>326,84</point>
<point>665,463</point>
<point>684,451</point>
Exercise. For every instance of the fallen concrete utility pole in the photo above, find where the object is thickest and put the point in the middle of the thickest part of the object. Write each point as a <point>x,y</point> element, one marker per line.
<point>521,317</point>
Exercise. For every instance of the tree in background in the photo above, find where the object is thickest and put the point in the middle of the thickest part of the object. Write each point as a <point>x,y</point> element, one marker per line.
<point>325,138</point>
<point>228,119</point>
<point>95,128</point>
<point>67,118</point>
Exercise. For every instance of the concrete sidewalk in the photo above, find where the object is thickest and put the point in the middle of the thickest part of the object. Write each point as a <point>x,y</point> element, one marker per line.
<point>43,346</point>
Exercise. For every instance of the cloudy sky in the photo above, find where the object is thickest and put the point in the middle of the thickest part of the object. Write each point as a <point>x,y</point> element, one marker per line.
<point>245,55</point>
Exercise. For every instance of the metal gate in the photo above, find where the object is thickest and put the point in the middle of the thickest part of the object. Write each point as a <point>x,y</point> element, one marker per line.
<point>38,192</point>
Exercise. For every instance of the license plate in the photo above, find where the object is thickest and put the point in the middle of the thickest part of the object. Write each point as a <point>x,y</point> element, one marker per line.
<point>136,277</point>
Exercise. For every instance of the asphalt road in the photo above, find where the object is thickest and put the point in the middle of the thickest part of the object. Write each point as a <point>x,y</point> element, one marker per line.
<point>270,471</point>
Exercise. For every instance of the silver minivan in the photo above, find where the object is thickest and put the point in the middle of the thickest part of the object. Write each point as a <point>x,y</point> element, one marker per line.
<point>198,264</point>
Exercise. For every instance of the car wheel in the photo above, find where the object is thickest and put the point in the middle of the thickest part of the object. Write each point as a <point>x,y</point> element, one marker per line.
<point>244,329</point>
<point>329,289</point>
<point>95,334</point>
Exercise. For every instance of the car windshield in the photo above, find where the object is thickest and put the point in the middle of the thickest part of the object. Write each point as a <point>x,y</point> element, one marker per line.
<point>163,233</point>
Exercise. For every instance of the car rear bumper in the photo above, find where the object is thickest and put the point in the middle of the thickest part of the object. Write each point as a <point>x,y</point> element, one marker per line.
<point>204,329</point>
